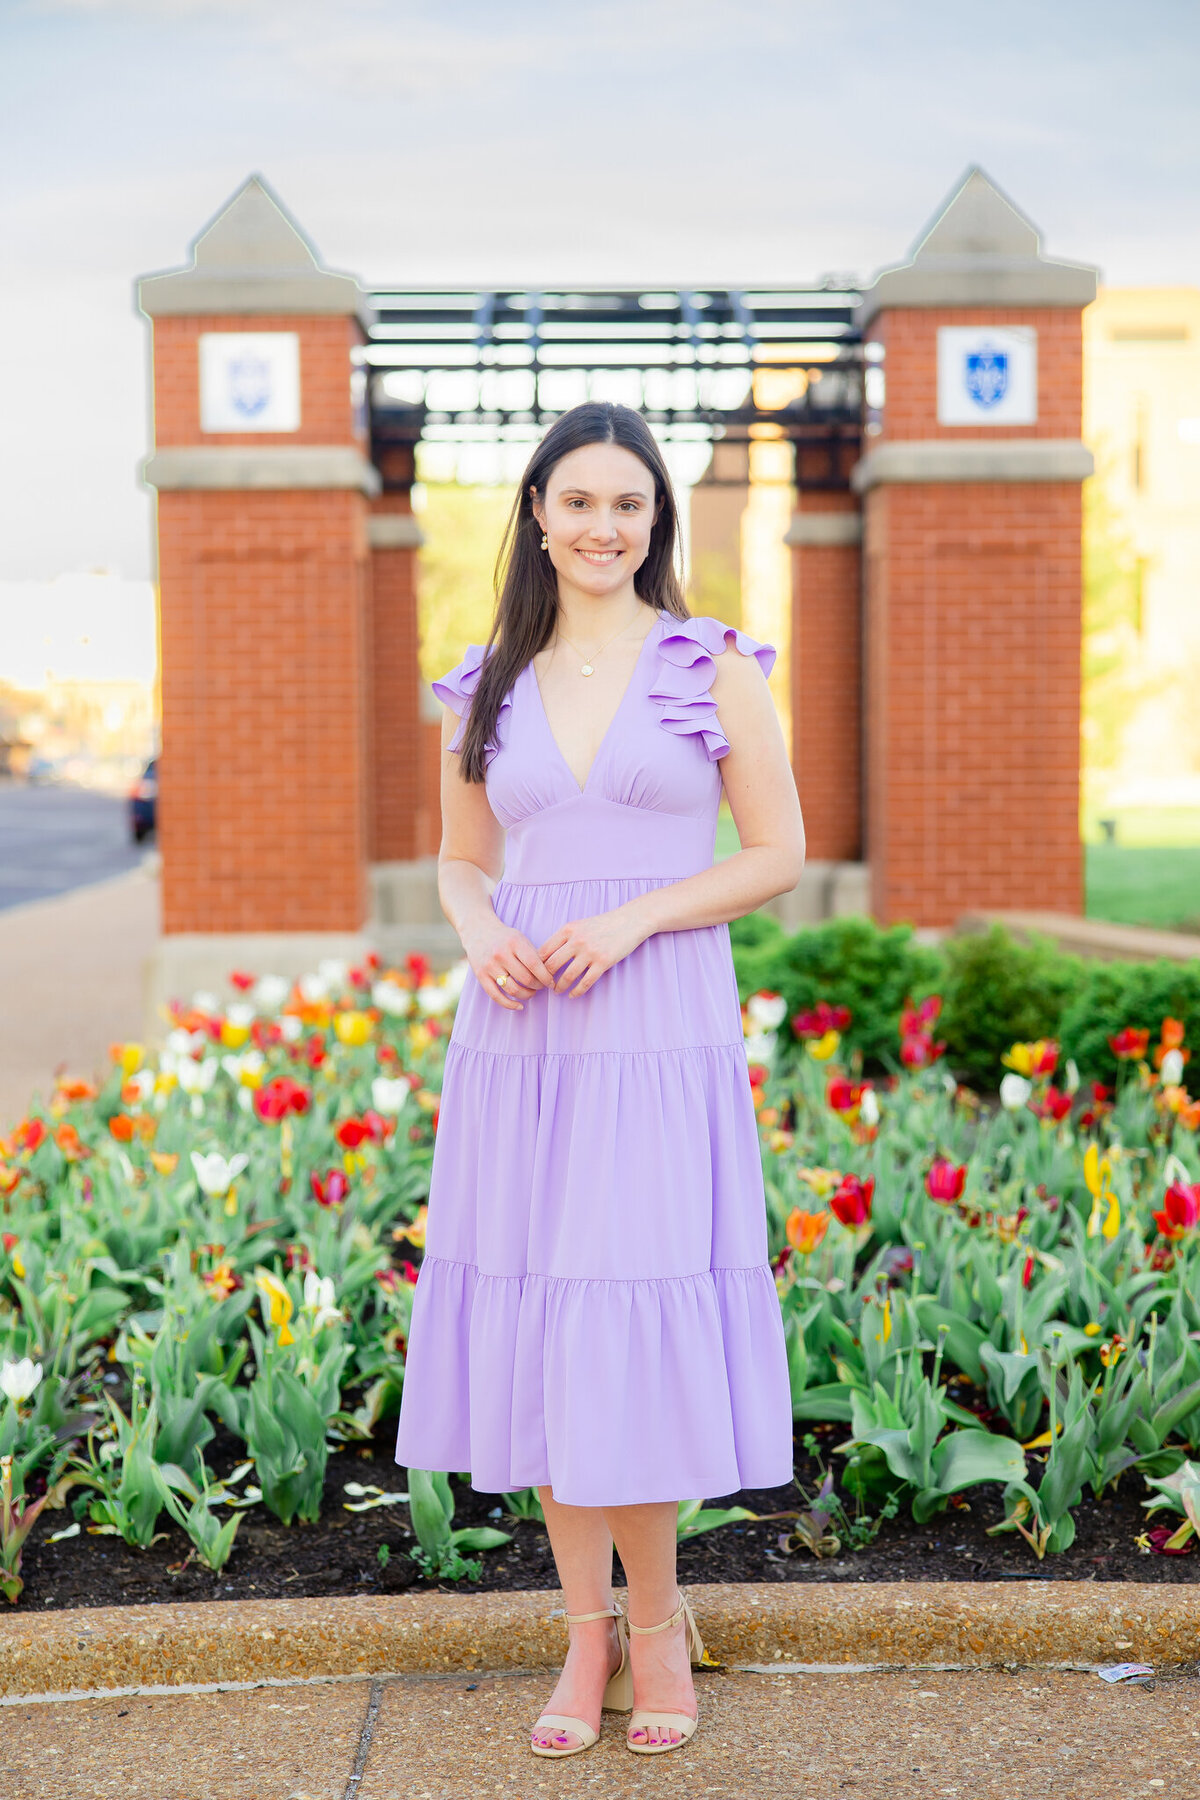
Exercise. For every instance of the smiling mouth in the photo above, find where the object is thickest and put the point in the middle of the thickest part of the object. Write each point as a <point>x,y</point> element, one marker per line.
<point>599,557</point>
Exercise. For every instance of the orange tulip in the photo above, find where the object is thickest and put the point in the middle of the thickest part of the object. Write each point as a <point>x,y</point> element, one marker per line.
<point>805,1230</point>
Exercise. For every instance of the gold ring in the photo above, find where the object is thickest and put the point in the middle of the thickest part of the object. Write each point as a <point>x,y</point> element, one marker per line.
<point>500,980</point>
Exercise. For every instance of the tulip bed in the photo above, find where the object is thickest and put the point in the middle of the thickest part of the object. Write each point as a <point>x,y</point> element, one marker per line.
<point>207,1264</point>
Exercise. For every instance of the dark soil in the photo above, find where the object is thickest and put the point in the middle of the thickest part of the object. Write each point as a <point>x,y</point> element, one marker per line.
<point>339,1555</point>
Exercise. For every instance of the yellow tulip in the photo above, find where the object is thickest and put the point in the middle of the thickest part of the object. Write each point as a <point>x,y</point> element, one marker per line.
<point>1112,1223</point>
<point>1043,1442</point>
<point>887,1318</point>
<point>231,1202</point>
<point>353,1028</point>
<point>131,1058</point>
<point>1020,1058</point>
<point>823,1182</point>
<point>822,1048</point>
<point>280,1304</point>
<point>164,1161</point>
<point>1091,1329</point>
<point>1097,1171</point>
<point>233,1036</point>
<point>419,1040</point>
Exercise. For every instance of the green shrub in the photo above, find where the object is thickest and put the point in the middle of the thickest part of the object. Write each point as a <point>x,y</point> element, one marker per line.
<point>851,962</point>
<point>1110,995</point>
<point>998,992</point>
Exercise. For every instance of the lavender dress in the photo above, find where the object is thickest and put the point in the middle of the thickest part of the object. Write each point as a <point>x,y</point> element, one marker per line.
<point>596,1309</point>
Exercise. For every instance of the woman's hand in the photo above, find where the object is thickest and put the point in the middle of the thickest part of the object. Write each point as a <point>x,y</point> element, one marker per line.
<point>581,950</point>
<point>494,948</point>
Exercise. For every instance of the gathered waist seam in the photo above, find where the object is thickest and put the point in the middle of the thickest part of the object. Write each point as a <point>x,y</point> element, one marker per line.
<point>541,1055</point>
<point>455,1262</point>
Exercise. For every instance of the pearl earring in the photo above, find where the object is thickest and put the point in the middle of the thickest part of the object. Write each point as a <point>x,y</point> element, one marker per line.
<point>545,542</point>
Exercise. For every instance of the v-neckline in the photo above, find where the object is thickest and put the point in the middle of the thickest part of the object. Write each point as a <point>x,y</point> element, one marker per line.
<point>582,791</point>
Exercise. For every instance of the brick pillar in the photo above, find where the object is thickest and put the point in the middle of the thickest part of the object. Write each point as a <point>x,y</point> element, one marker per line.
<point>263,482</point>
<point>972,526</point>
<point>825,536</point>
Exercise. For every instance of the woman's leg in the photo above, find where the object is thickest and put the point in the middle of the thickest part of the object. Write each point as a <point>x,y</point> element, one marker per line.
<point>583,1555</point>
<point>662,1669</point>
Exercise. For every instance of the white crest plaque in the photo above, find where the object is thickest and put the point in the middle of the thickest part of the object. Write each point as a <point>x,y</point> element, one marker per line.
<point>987,375</point>
<point>249,381</point>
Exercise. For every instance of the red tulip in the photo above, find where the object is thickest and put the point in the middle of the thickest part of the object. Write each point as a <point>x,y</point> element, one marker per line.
<point>945,1180</point>
<point>817,1020</point>
<point>918,1050</point>
<point>852,1202</point>
<point>1027,1273</point>
<point>1181,1210</point>
<point>1052,1105</point>
<point>350,1133</point>
<point>332,1190</point>
<point>278,1097</point>
<point>917,1021</point>
<point>241,981</point>
<point>1129,1043</point>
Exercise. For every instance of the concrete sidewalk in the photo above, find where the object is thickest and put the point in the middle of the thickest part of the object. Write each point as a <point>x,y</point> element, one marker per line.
<point>907,1735</point>
<point>72,981</point>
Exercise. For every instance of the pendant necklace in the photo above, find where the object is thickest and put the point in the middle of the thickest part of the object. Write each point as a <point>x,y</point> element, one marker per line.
<point>589,667</point>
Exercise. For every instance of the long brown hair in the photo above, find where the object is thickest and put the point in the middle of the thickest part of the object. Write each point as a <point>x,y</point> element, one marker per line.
<point>526,582</point>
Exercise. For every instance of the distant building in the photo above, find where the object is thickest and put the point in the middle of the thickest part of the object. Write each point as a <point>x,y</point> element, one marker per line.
<point>1141,418</point>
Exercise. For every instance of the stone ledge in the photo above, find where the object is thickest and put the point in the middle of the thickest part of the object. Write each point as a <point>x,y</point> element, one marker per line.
<point>1089,937</point>
<point>973,459</point>
<point>1031,1624</point>
<point>394,531</point>
<point>225,466</point>
<point>824,530</point>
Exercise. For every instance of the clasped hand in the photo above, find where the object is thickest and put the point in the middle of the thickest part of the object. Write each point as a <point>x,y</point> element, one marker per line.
<point>572,958</point>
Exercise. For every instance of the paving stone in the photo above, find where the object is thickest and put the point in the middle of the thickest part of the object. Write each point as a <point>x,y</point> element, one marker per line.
<point>980,1735</point>
<point>293,1743</point>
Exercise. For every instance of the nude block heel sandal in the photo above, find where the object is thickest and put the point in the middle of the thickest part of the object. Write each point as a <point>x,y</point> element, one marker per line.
<point>618,1693</point>
<point>683,1723</point>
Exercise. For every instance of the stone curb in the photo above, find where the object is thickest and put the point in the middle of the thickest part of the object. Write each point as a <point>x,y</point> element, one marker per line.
<point>894,1624</point>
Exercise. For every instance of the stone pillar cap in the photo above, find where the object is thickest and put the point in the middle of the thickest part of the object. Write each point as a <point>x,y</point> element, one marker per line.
<point>981,250</point>
<point>252,258</point>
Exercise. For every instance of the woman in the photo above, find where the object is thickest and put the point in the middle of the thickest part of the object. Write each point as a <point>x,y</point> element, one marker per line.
<point>596,1316</point>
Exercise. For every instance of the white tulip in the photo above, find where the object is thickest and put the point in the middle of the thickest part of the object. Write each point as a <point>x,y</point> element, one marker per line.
<point>197,1077</point>
<point>271,992</point>
<point>1071,1085</point>
<point>767,1011</point>
<point>456,976</point>
<point>186,1043</point>
<point>215,1175</point>
<point>1014,1091</point>
<point>291,1028</point>
<point>868,1107</point>
<point>1171,1068</point>
<point>203,1001</point>
<point>143,1080</point>
<point>760,1046</point>
<point>333,970</point>
<point>433,1000</point>
<point>313,988</point>
<point>390,997</point>
<point>19,1379</point>
<point>319,1300</point>
<point>240,1014</point>
<point>389,1096</point>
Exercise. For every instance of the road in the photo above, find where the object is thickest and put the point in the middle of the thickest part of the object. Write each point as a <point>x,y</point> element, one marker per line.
<point>56,838</point>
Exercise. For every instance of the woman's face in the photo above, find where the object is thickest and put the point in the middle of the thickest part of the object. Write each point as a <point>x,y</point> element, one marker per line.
<point>598,511</point>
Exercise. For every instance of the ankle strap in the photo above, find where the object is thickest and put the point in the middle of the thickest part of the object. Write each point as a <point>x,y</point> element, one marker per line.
<point>645,1630</point>
<point>615,1611</point>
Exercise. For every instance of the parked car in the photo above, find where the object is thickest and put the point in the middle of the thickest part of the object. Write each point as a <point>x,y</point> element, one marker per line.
<point>142,798</point>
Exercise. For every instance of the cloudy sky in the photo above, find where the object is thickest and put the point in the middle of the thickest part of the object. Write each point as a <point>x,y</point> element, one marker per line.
<point>464,140</point>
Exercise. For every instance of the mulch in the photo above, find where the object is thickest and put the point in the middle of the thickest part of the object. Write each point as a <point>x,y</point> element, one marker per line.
<point>339,1554</point>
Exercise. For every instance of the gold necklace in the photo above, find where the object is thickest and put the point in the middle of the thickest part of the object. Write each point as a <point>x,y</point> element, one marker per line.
<point>588,665</point>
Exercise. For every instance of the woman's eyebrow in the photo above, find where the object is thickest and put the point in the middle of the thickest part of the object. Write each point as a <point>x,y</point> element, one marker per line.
<point>630,494</point>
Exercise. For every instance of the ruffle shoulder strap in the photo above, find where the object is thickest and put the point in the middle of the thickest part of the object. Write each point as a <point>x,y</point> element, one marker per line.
<point>684,677</point>
<point>456,689</point>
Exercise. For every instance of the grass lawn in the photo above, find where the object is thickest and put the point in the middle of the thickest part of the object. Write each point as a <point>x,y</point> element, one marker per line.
<point>1149,876</point>
<point>1145,885</point>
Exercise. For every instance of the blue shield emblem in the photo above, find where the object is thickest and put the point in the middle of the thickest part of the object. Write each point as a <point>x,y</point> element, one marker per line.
<point>987,376</point>
<point>249,385</point>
